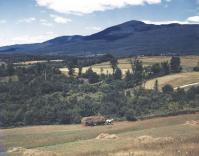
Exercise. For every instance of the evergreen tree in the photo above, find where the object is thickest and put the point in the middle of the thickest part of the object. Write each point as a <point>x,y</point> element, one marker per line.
<point>128,79</point>
<point>156,86</point>
<point>114,63</point>
<point>175,64</point>
<point>70,71</point>
<point>165,69</point>
<point>118,74</point>
<point>128,76</point>
<point>137,72</point>
<point>91,76</point>
<point>79,70</point>
<point>10,69</point>
<point>156,69</point>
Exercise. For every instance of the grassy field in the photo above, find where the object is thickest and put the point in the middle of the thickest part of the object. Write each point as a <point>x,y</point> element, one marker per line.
<point>176,80</point>
<point>9,78</point>
<point>187,62</point>
<point>36,62</point>
<point>154,137</point>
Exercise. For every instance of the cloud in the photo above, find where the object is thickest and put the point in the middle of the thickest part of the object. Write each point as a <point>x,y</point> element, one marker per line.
<point>164,22</point>
<point>95,28</point>
<point>25,39</point>
<point>45,22</point>
<point>193,19</point>
<point>89,6</point>
<point>60,20</point>
<point>3,21</point>
<point>27,20</point>
<point>189,20</point>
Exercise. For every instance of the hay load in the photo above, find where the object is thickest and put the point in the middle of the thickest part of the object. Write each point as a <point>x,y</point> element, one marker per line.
<point>93,120</point>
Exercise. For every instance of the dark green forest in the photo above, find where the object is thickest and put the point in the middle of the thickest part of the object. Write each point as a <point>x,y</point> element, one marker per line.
<point>42,95</point>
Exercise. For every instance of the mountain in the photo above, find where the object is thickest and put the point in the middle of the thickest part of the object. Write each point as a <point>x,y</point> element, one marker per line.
<point>133,37</point>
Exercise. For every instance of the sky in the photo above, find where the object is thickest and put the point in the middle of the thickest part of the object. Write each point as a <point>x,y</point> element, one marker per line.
<point>34,21</point>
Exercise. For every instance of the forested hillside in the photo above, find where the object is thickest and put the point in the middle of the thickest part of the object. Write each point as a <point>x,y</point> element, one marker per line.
<point>42,95</point>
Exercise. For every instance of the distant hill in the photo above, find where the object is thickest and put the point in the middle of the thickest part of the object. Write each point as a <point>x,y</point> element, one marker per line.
<point>133,37</point>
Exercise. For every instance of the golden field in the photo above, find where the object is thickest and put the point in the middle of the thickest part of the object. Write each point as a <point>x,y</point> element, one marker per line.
<point>176,80</point>
<point>187,62</point>
<point>173,136</point>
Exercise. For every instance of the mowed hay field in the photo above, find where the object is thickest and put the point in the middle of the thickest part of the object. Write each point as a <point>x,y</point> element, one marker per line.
<point>176,80</point>
<point>9,78</point>
<point>104,68</point>
<point>187,62</point>
<point>168,136</point>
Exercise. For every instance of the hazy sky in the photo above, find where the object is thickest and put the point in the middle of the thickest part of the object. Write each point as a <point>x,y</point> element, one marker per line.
<point>28,21</point>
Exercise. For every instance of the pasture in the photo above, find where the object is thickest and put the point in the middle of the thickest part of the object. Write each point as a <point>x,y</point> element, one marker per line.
<point>13,78</point>
<point>187,62</point>
<point>176,80</point>
<point>173,136</point>
<point>25,63</point>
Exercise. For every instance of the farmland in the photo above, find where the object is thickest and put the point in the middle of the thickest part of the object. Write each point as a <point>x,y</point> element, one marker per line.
<point>187,62</point>
<point>9,78</point>
<point>42,96</point>
<point>172,136</point>
<point>36,62</point>
<point>176,80</point>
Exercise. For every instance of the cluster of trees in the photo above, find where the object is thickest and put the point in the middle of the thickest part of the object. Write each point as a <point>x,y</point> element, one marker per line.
<point>63,104</point>
<point>165,68</point>
<point>43,96</point>
<point>6,70</point>
<point>135,76</point>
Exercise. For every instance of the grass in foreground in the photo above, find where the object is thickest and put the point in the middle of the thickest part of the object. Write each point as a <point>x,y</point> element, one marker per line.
<point>77,140</point>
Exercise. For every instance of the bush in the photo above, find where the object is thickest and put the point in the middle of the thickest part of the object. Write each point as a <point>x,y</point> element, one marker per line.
<point>130,115</point>
<point>196,69</point>
<point>167,89</point>
<point>91,76</point>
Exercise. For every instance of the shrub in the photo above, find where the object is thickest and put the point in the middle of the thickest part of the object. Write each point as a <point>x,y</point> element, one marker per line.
<point>130,115</point>
<point>167,89</point>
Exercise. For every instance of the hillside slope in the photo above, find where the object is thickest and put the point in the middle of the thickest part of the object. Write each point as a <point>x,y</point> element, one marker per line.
<point>154,137</point>
<point>176,80</point>
<point>133,37</point>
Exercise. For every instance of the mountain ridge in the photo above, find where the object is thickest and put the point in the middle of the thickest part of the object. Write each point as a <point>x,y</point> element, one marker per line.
<point>131,37</point>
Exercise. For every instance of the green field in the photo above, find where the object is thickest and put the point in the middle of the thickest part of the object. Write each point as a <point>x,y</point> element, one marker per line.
<point>173,136</point>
